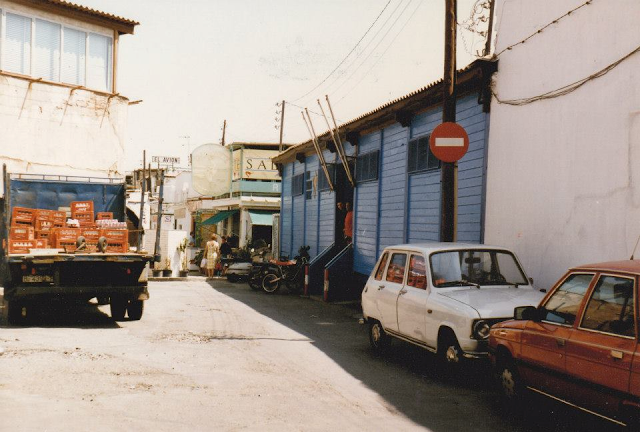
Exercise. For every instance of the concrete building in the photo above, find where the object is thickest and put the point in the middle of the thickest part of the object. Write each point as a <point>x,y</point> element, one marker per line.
<point>60,109</point>
<point>563,185</point>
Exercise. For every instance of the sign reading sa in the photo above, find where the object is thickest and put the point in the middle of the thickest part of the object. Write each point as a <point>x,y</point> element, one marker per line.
<point>449,142</point>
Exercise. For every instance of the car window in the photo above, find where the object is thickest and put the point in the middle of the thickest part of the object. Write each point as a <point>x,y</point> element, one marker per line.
<point>610,308</point>
<point>395,272</point>
<point>482,267</point>
<point>417,276</point>
<point>562,307</point>
<point>383,263</point>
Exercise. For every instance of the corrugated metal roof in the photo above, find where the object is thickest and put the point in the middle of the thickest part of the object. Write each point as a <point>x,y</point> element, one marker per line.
<point>74,7</point>
<point>380,108</point>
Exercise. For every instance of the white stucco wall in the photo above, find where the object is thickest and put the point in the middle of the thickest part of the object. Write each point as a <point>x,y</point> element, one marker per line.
<point>48,129</point>
<point>563,183</point>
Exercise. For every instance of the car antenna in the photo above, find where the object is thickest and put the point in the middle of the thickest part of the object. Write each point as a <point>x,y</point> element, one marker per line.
<point>634,249</point>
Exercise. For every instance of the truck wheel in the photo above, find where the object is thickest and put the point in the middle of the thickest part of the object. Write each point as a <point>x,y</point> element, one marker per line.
<point>14,312</point>
<point>118,308</point>
<point>102,300</point>
<point>135,309</point>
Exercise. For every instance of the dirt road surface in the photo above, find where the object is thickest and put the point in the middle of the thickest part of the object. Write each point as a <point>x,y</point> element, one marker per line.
<point>215,356</point>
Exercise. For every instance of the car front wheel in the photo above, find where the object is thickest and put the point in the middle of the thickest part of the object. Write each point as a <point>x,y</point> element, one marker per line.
<point>379,339</point>
<point>509,378</point>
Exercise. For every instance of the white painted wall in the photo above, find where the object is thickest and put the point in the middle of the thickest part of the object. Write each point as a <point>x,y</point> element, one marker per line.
<point>563,174</point>
<point>48,129</point>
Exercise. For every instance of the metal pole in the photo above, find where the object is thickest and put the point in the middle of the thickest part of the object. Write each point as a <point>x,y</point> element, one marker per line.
<point>339,147</point>
<point>316,145</point>
<point>142,191</point>
<point>449,195</point>
<point>487,45</point>
<point>224,131</point>
<point>150,185</point>
<point>281,127</point>
<point>156,250</point>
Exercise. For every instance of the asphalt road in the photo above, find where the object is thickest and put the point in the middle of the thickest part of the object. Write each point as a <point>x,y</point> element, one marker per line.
<point>217,356</point>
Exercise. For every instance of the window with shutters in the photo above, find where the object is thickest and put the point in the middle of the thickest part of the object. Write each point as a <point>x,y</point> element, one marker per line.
<point>323,184</point>
<point>16,46</point>
<point>297,184</point>
<point>419,157</point>
<point>48,50</point>
<point>367,166</point>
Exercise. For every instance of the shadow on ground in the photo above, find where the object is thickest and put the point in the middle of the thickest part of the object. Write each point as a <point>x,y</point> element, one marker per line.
<point>409,378</point>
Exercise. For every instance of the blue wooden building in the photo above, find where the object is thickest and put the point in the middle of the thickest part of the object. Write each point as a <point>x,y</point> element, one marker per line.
<point>396,196</point>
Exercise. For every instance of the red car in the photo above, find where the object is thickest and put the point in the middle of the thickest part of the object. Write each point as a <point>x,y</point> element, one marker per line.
<point>580,345</point>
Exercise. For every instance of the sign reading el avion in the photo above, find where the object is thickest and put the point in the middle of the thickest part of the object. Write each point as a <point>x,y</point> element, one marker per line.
<point>165,160</point>
<point>254,164</point>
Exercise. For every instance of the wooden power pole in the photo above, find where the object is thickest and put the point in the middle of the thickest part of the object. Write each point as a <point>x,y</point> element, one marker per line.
<point>224,131</point>
<point>281,127</point>
<point>449,195</point>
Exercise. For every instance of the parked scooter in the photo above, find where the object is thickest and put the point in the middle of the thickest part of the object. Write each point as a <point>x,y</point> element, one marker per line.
<point>289,272</point>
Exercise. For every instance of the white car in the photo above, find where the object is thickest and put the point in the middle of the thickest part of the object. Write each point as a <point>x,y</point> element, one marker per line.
<point>444,297</point>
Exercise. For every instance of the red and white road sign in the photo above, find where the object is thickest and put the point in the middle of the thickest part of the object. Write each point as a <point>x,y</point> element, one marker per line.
<point>449,142</point>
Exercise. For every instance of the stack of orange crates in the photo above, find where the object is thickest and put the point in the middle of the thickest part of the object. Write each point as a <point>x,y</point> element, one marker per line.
<point>64,238</point>
<point>21,216</point>
<point>83,212</point>
<point>117,239</point>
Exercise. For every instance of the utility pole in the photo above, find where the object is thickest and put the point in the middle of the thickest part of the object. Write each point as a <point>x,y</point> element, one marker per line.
<point>449,172</point>
<point>224,130</point>
<point>487,45</point>
<point>143,188</point>
<point>156,250</point>
<point>281,127</point>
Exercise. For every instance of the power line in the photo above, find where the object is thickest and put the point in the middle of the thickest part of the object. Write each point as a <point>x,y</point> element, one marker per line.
<point>569,88</point>
<point>350,52</point>
<point>555,21</point>
<point>383,53</point>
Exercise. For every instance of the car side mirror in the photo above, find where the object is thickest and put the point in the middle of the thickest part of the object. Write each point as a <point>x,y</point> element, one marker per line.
<point>527,313</point>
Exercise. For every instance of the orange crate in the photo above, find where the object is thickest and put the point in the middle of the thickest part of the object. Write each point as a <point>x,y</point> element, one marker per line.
<point>43,215</point>
<point>42,243</point>
<point>117,247</point>
<point>86,206</point>
<point>67,245</point>
<point>59,216</point>
<point>55,224</point>
<point>42,234</point>
<point>83,216</point>
<point>64,234</point>
<point>91,235</point>
<point>21,233</point>
<point>43,225</point>
<point>22,216</point>
<point>115,235</point>
<point>21,246</point>
<point>104,215</point>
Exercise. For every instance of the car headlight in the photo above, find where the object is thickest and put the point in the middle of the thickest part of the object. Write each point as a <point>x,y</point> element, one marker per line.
<point>481,329</point>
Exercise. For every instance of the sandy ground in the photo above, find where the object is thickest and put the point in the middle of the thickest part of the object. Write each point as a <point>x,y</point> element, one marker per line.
<point>218,356</point>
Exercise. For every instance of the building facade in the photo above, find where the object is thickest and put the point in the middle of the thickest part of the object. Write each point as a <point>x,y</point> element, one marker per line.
<point>60,110</point>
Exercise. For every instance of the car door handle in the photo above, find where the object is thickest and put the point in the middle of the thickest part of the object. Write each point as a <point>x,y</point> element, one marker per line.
<point>402,292</point>
<point>616,355</point>
<point>560,342</point>
<point>380,287</point>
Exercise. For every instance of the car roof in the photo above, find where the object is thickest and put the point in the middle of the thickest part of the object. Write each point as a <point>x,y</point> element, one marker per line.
<point>626,266</point>
<point>430,247</point>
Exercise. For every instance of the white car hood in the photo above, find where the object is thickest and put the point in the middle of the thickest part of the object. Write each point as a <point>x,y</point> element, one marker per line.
<point>494,302</point>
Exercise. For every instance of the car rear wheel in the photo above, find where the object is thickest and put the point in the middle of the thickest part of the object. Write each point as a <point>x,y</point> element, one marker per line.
<point>379,339</point>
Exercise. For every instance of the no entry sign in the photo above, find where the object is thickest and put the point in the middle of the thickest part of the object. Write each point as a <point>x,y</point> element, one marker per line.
<point>449,142</point>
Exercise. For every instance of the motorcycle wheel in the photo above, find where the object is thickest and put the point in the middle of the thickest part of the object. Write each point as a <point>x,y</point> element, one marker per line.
<point>270,283</point>
<point>255,283</point>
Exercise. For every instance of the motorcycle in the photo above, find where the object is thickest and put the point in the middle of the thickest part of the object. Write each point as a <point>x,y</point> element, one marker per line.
<point>259,268</point>
<point>290,272</point>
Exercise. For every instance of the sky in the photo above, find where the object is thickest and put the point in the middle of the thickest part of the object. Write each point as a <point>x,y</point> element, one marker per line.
<point>196,63</point>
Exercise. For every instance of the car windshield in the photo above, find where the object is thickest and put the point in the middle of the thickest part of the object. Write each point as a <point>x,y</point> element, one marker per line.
<point>475,267</point>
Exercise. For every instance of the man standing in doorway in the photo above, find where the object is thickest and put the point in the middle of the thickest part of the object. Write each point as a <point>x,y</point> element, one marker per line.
<point>348,224</point>
<point>341,213</point>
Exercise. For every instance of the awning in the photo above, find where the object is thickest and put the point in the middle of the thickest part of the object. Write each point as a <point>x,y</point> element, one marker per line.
<point>219,217</point>
<point>261,217</point>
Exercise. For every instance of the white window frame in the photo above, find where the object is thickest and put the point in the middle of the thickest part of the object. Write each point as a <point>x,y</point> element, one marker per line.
<point>33,17</point>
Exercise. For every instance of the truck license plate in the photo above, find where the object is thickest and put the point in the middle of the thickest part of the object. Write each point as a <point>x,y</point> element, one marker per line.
<point>37,278</point>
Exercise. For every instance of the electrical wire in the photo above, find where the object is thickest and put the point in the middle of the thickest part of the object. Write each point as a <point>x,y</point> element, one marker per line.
<point>347,56</point>
<point>569,88</point>
<point>384,52</point>
<point>555,21</point>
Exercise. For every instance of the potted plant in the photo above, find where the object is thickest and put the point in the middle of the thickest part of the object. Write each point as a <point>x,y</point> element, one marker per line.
<point>184,263</point>
<point>166,271</point>
<point>157,269</point>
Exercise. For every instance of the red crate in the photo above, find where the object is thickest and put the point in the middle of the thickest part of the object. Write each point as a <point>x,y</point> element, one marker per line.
<point>84,217</point>
<point>43,215</point>
<point>21,233</point>
<point>22,216</point>
<point>115,235</point>
<point>42,234</point>
<point>42,243</point>
<point>64,234</point>
<point>85,206</point>
<point>117,247</point>
<point>58,225</point>
<point>21,246</point>
<point>59,216</point>
<point>104,215</point>
<point>67,245</point>
<point>43,225</point>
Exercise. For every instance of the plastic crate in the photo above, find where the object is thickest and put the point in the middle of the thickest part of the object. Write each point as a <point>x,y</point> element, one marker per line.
<point>91,235</point>
<point>117,247</point>
<point>84,217</point>
<point>115,235</point>
<point>59,216</point>
<point>42,234</point>
<point>21,246</point>
<point>84,206</point>
<point>22,216</point>
<point>43,225</point>
<point>104,215</point>
<point>21,233</point>
<point>46,215</point>
<point>64,234</point>
<point>42,243</point>
<point>67,245</point>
